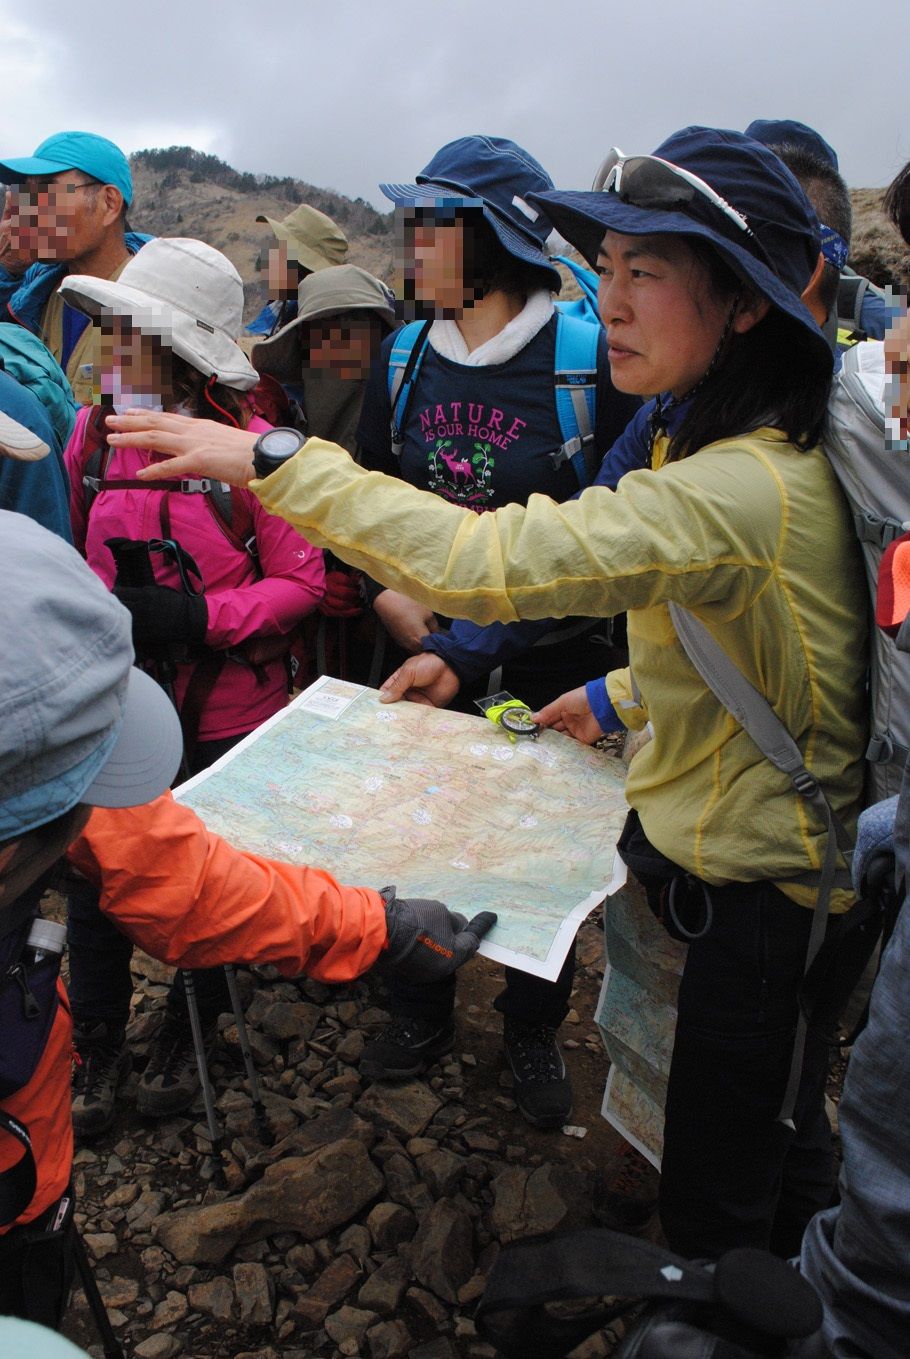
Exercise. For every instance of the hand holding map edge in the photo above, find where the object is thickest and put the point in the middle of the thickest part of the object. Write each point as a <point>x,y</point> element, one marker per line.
<point>427,941</point>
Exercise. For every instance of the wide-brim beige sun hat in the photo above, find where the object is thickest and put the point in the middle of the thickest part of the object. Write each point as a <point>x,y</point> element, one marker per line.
<point>344,288</point>
<point>311,238</point>
<point>183,291</point>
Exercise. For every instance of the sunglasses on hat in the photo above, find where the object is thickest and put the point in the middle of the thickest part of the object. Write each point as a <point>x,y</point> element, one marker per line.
<point>649,182</point>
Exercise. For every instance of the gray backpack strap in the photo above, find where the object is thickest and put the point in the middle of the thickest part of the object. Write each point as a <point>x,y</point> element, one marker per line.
<point>756,716</point>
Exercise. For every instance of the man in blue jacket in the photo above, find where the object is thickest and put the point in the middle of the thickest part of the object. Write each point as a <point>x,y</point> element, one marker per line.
<point>65,213</point>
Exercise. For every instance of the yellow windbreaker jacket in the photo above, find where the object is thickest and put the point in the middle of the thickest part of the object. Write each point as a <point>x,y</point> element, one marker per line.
<point>750,534</point>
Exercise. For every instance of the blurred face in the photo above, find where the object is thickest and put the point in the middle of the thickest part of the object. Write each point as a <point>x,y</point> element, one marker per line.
<point>284,274</point>
<point>663,320</point>
<point>135,368</point>
<point>897,389</point>
<point>433,262</point>
<point>345,344</point>
<point>63,217</point>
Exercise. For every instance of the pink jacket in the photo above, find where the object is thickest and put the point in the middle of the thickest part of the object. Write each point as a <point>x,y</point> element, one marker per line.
<point>240,605</point>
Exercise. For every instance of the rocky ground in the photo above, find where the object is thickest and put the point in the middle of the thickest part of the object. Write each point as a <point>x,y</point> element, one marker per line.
<point>364,1224</point>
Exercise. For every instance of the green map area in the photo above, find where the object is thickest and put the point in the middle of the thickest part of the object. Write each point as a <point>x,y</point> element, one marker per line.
<point>437,803</point>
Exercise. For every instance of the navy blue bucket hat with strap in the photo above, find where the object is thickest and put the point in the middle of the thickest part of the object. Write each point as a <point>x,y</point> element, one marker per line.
<point>498,177</point>
<point>757,218</point>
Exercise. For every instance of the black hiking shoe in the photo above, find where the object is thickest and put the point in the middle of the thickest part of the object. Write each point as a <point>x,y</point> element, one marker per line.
<point>170,1082</point>
<point>102,1061</point>
<point>406,1048</point>
<point>625,1198</point>
<point>542,1089</point>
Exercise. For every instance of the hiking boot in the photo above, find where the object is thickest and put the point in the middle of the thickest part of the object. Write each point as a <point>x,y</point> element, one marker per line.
<point>626,1199</point>
<point>170,1082</point>
<point>542,1089</point>
<point>406,1047</point>
<point>102,1062</point>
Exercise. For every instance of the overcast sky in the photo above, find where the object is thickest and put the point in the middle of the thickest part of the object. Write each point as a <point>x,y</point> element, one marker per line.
<point>343,93</point>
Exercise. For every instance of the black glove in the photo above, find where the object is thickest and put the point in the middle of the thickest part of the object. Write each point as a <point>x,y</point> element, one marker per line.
<point>162,615</point>
<point>427,941</point>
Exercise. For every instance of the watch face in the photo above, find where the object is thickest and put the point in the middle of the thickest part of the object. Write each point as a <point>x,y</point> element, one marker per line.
<point>279,443</point>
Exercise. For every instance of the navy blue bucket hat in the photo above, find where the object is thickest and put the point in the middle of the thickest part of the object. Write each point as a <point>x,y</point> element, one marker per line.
<point>788,132</point>
<point>766,231</point>
<point>498,177</point>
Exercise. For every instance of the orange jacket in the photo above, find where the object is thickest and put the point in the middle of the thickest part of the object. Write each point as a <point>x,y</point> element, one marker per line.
<point>186,896</point>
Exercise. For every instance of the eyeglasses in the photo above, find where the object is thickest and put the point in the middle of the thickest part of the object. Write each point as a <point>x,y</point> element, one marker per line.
<point>49,196</point>
<point>649,182</point>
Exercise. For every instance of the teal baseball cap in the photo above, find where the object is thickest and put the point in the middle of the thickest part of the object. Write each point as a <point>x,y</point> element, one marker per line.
<point>85,151</point>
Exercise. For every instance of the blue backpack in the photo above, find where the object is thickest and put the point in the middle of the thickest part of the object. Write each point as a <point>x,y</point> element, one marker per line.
<point>578,332</point>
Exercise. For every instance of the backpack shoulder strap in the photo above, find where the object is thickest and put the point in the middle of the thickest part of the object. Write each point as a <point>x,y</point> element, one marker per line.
<point>756,716</point>
<point>408,349</point>
<point>585,278</point>
<point>235,518</point>
<point>850,293</point>
<point>575,380</point>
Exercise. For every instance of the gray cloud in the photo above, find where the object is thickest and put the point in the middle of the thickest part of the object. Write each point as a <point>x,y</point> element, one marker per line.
<point>344,94</point>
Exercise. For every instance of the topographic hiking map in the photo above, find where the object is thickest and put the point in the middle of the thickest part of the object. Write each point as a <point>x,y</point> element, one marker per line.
<point>438,803</point>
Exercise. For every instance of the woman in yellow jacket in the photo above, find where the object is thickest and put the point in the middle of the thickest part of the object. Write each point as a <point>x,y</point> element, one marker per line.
<point>703,251</point>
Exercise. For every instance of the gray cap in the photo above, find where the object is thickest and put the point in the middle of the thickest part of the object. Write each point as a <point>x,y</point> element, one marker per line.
<point>80,724</point>
<point>343,288</point>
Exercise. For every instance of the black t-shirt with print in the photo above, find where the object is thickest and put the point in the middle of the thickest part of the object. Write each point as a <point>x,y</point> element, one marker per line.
<point>484,437</point>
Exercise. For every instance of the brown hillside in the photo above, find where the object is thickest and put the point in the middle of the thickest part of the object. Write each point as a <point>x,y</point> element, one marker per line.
<point>206,199</point>
<point>877,250</point>
<point>181,192</point>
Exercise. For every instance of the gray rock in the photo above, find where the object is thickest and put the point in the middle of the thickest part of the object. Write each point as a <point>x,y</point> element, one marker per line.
<point>356,1241</point>
<point>349,1324</point>
<point>335,1281</point>
<point>312,1195</point>
<point>160,1346</point>
<point>335,1125</point>
<point>441,1171</point>
<point>253,1288</point>
<point>100,1244</point>
<point>529,1202</point>
<point>118,1292</point>
<point>383,1290</point>
<point>440,1348</point>
<point>403,1109</point>
<point>389,1224</point>
<point>172,1308</point>
<point>283,1020</point>
<point>143,1212</point>
<point>425,1304</point>
<point>443,1257</point>
<point>389,1340</point>
<point>214,1299</point>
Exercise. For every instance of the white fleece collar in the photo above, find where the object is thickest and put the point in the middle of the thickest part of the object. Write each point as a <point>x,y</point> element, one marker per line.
<point>449,343</point>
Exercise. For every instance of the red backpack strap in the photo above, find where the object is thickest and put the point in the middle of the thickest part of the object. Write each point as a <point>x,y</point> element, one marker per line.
<point>234,514</point>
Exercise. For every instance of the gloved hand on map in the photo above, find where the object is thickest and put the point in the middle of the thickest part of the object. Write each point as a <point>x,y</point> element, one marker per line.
<point>427,941</point>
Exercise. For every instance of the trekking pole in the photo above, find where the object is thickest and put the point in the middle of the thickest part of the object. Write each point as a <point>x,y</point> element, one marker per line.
<point>208,1096</point>
<point>246,1051</point>
<point>112,1347</point>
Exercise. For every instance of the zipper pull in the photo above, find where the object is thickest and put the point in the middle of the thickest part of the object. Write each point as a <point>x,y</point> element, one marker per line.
<point>30,1007</point>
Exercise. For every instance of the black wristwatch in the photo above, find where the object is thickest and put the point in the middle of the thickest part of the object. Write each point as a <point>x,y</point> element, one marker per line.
<point>273,448</point>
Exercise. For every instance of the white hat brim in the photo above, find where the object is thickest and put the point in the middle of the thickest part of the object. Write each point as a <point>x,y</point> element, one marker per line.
<point>218,353</point>
<point>20,443</point>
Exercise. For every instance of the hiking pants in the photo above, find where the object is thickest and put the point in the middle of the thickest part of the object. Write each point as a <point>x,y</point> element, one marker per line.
<point>100,982</point>
<point>731,1174</point>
